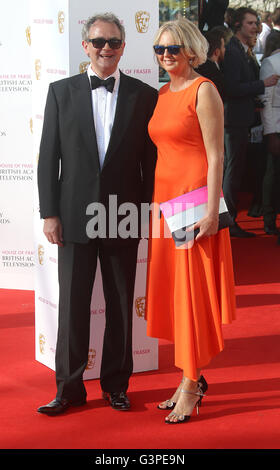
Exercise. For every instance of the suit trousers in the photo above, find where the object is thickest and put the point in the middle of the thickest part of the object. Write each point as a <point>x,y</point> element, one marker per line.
<point>271,190</point>
<point>77,263</point>
<point>236,142</point>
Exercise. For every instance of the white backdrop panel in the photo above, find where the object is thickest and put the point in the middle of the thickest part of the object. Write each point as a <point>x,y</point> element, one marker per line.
<point>16,164</point>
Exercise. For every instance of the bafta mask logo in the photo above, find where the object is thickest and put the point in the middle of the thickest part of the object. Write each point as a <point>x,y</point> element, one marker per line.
<point>61,19</point>
<point>83,66</point>
<point>140,306</point>
<point>38,67</point>
<point>28,35</point>
<point>142,20</point>
<point>91,359</point>
<point>42,342</point>
<point>41,253</point>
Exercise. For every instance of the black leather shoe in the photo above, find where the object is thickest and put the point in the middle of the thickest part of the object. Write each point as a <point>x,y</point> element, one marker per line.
<point>58,406</point>
<point>236,231</point>
<point>117,400</point>
<point>271,230</point>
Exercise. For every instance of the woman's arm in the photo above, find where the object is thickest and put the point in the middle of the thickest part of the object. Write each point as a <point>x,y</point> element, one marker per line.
<point>210,114</point>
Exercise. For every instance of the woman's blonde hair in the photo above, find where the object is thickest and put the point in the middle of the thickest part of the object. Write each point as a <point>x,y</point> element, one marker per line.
<point>186,33</point>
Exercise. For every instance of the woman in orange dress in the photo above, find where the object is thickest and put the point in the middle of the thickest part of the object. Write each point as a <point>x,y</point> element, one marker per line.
<point>190,292</point>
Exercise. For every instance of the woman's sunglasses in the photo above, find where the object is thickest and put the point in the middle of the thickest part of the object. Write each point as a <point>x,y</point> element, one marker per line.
<point>173,50</point>
<point>99,43</point>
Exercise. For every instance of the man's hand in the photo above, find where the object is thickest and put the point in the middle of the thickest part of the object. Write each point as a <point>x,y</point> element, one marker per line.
<point>53,230</point>
<point>271,81</point>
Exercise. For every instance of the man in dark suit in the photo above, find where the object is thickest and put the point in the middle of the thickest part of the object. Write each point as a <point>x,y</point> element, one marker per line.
<point>276,21</point>
<point>242,88</point>
<point>211,13</point>
<point>212,67</point>
<point>95,146</point>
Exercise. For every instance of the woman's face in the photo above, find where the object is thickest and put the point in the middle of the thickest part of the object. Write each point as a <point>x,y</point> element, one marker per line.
<point>174,64</point>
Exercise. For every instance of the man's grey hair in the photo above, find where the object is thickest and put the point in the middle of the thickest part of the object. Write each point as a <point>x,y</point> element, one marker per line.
<point>107,18</point>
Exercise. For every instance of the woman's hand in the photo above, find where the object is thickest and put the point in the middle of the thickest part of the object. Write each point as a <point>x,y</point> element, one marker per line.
<point>207,226</point>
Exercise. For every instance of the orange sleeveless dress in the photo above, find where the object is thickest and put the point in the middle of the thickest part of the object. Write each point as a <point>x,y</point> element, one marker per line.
<point>190,292</point>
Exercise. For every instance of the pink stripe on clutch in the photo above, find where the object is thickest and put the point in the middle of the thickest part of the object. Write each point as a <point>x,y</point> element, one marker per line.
<point>178,204</point>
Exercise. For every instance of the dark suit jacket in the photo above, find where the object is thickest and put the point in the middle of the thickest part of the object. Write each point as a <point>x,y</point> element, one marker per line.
<point>210,70</point>
<point>241,86</point>
<point>69,174</point>
<point>212,13</point>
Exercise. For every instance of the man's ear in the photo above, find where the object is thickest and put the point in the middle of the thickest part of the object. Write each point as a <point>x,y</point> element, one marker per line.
<point>237,26</point>
<point>85,47</point>
<point>123,46</point>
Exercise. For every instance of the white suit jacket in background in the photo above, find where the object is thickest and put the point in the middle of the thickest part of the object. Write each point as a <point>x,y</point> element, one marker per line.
<point>270,114</point>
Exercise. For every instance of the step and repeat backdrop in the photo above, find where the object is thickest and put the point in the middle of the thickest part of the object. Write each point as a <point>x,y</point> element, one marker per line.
<point>46,46</point>
<point>16,155</point>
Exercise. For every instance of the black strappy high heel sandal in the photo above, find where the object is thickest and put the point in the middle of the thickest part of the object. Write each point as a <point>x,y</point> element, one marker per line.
<point>170,404</point>
<point>185,418</point>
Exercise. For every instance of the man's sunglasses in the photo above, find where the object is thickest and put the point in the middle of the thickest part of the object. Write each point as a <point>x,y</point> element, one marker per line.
<point>174,50</point>
<point>99,43</point>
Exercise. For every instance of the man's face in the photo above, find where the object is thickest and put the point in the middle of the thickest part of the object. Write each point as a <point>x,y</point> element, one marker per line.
<point>103,61</point>
<point>269,21</point>
<point>248,28</point>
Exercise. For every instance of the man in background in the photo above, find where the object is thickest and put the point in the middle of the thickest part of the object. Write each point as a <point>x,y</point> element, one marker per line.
<point>211,13</point>
<point>276,20</point>
<point>212,67</point>
<point>266,22</point>
<point>242,88</point>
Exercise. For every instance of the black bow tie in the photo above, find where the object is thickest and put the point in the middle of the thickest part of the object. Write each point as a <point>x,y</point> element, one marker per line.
<point>97,82</point>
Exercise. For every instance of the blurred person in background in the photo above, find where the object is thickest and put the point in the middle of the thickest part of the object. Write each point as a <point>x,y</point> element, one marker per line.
<point>212,67</point>
<point>242,88</point>
<point>270,115</point>
<point>266,21</point>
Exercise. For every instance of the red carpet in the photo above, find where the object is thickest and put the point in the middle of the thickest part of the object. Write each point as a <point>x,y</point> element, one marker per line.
<point>242,407</point>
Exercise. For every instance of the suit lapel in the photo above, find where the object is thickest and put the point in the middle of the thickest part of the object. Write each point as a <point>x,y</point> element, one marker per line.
<point>126,101</point>
<point>82,104</point>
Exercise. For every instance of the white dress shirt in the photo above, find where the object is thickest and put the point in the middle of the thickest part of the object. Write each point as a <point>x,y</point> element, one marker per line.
<point>261,40</point>
<point>104,108</point>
